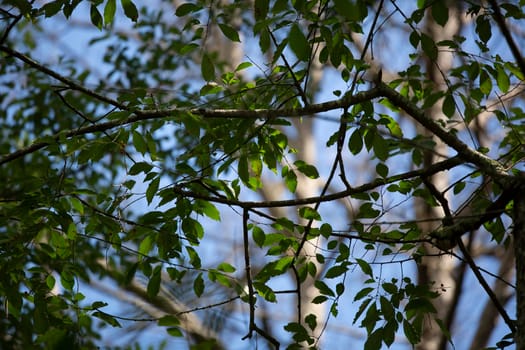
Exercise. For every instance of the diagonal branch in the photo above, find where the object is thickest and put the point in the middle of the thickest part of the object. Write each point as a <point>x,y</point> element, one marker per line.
<point>68,82</point>
<point>491,166</point>
<point>516,52</point>
<point>454,232</point>
<point>143,115</point>
<point>486,287</point>
<point>433,169</point>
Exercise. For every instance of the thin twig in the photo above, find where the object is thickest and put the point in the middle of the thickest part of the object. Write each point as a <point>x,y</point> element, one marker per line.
<point>251,296</point>
<point>69,82</point>
<point>486,287</point>
<point>516,52</point>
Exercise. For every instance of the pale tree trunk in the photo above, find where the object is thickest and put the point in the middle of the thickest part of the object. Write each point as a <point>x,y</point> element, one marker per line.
<point>438,271</point>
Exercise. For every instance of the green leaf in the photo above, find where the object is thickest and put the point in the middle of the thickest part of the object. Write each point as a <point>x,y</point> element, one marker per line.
<point>258,236</point>
<point>309,213</point>
<point>256,166</point>
<point>146,245</point>
<point>483,28</point>
<point>502,79</point>
<point>420,305</point>
<point>309,170</point>
<point>459,187</point>
<point>319,299</point>
<point>290,179</point>
<point>140,167</point>
<point>323,288</point>
<point>325,230</point>
<point>106,318</point>
<point>210,210</point>
<point>154,282</point>
<point>367,211</point>
<point>414,39</point>
<point>386,308</point>
<point>130,10</point>
<point>311,321</point>
<point>264,40</point>
<point>440,12</point>
<point>298,43</point>
<point>374,340</point>
<point>381,147</point>
<point>51,8</point>
<point>382,170</point>
<point>96,17</point>
<point>389,332</point>
<point>229,32</point>
<point>354,11</point>
<point>444,329</point>
<point>187,8</point>
<point>261,8</point>
<point>363,293</point>
<point>336,271</point>
<point>195,259</point>
<point>207,68</point>
<point>198,285</point>
<point>192,229</point>
<point>449,106</point>
<point>50,282</point>
<point>429,46</point>
<point>242,169</point>
<point>485,82</point>
<point>361,309</point>
<point>243,66</point>
<point>371,318</point>
<point>340,289</point>
<point>283,264</point>
<point>266,292</point>
<point>168,320</point>
<point>390,288</point>
<point>225,267</point>
<point>175,332</point>
<point>152,189</point>
<point>109,11</point>
<point>410,332</point>
<point>365,267</point>
<point>77,204</point>
<point>355,144</point>
<point>139,142</point>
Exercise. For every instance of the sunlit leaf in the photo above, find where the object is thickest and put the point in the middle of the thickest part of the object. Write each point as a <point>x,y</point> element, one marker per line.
<point>109,11</point>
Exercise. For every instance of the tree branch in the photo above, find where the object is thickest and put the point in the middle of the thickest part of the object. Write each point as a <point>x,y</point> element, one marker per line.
<point>516,52</point>
<point>143,115</point>
<point>454,232</point>
<point>490,166</point>
<point>486,287</point>
<point>69,82</point>
<point>251,295</point>
<point>433,169</point>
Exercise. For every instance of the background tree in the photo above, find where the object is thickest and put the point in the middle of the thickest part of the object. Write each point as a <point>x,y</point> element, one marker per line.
<point>275,162</point>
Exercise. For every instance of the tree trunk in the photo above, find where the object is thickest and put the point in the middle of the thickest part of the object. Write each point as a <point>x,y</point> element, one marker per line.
<point>436,270</point>
<point>519,252</point>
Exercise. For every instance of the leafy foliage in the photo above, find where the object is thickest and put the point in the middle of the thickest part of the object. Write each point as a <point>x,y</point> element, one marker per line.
<point>136,170</point>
